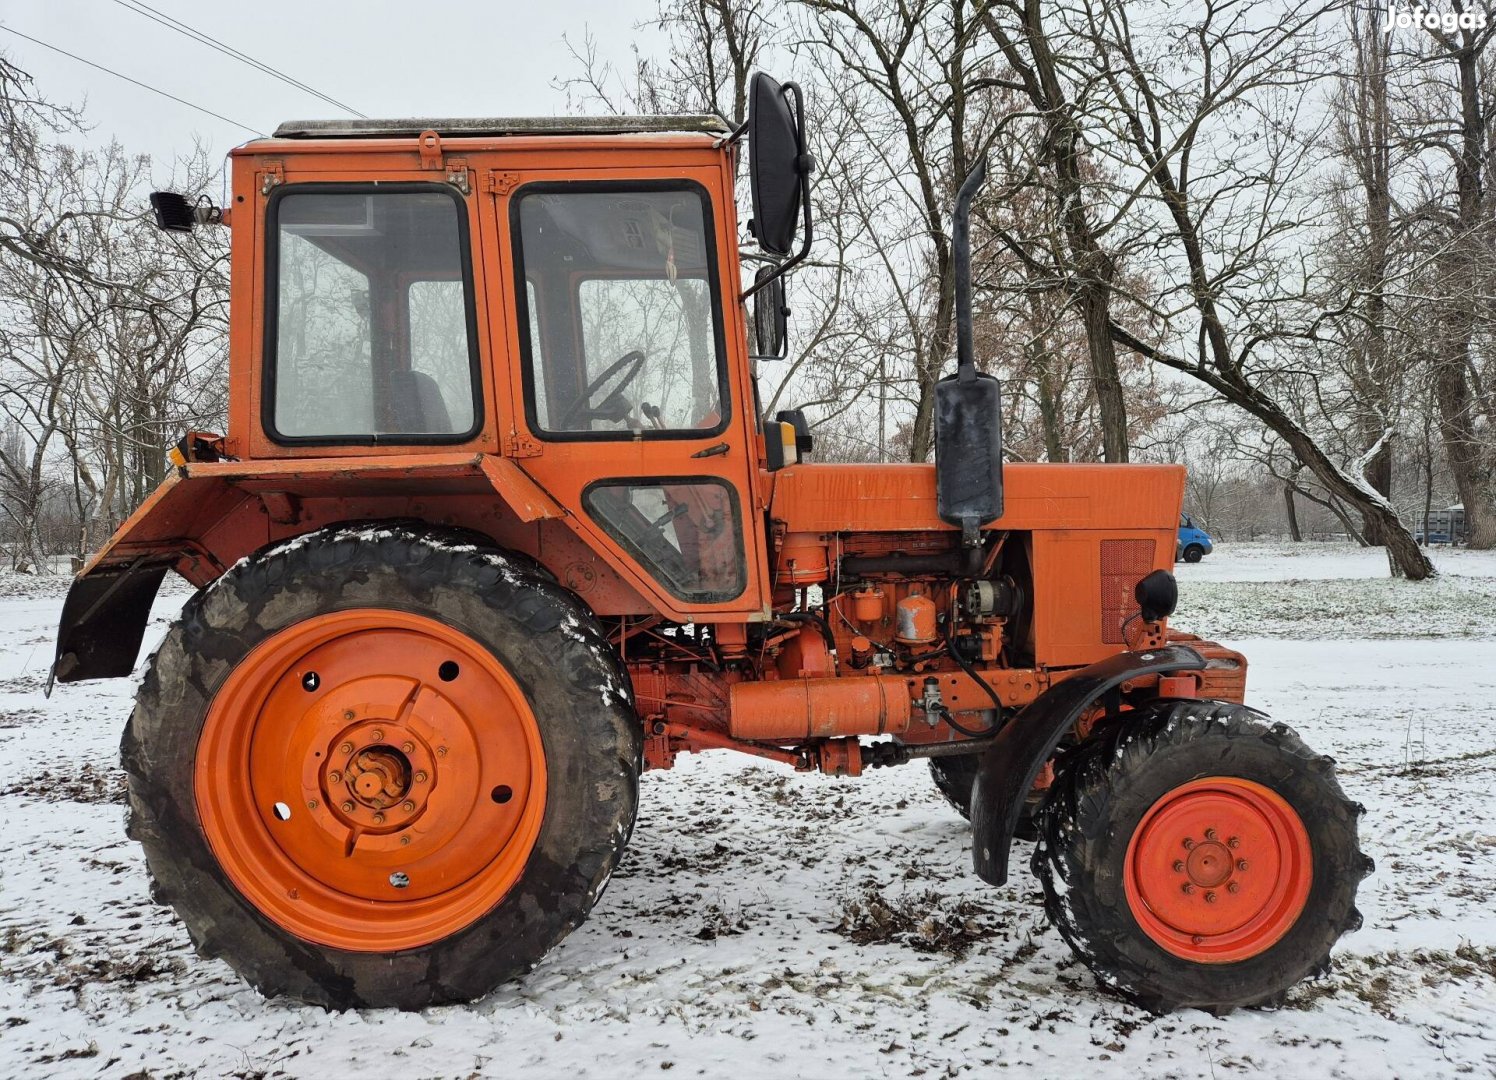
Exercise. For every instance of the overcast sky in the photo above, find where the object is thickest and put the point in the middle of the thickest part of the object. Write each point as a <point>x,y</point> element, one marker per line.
<point>382,57</point>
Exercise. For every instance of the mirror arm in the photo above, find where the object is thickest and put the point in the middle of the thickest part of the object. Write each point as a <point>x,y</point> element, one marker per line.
<point>806,165</point>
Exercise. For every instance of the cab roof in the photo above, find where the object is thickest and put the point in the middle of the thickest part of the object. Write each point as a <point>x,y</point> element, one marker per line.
<point>503,125</point>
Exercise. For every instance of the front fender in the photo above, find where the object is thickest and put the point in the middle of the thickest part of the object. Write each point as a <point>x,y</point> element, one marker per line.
<point>206,516</point>
<point>1012,763</point>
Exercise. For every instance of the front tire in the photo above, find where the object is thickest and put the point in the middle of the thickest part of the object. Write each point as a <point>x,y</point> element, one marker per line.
<point>1194,553</point>
<point>1196,855</point>
<point>382,767</point>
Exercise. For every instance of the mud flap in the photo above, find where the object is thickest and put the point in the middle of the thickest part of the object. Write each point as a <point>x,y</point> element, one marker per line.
<point>1011,765</point>
<point>103,622</point>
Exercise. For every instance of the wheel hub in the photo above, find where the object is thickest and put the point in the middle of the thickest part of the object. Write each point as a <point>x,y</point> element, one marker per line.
<point>378,774</point>
<point>1218,870</point>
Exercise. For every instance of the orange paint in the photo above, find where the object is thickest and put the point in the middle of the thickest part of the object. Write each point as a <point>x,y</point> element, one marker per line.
<point>371,779</point>
<point>1218,870</point>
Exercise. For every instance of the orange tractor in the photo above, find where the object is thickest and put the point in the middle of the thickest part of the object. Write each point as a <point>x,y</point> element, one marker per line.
<point>497,525</point>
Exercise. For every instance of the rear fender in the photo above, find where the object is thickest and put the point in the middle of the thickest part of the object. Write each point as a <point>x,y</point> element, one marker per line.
<point>206,516</point>
<point>1011,765</point>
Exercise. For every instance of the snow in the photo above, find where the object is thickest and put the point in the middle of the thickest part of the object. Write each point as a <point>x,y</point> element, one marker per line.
<point>727,943</point>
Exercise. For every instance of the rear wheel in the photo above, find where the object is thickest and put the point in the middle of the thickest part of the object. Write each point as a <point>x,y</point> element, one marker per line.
<point>380,768</point>
<point>1197,855</point>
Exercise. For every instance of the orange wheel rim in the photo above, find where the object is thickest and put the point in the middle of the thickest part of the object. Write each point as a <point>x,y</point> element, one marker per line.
<point>371,780</point>
<point>1218,870</point>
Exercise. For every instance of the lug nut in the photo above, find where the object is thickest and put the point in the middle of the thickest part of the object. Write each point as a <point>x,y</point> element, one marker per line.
<point>346,748</point>
<point>404,840</point>
<point>347,808</point>
<point>348,714</point>
<point>1241,864</point>
<point>1233,887</point>
<point>1188,843</point>
<point>420,777</point>
<point>1210,898</point>
<point>407,806</point>
<point>1178,866</point>
<point>334,777</point>
<point>1234,842</point>
<point>1187,889</point>
<point>311,804</point>
<point>1210,834</point>
<point>407,748</point>
<point>379,819</point>
<point>441,751</point>
<point>377,735</point>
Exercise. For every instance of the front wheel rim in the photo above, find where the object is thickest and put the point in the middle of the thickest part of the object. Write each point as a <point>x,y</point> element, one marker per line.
<point>1218,870</point>
<point>371,780</point>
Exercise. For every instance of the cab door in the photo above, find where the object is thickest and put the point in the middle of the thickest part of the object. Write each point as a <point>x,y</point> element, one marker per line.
<point>627,369</point>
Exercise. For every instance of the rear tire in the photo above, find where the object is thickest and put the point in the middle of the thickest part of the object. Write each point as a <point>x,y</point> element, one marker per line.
<point>1141,875</point>
<point>954,777</point>
<point>510,771</point>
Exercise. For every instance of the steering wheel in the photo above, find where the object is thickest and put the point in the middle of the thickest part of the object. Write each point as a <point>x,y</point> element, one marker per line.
<point>582,409</point>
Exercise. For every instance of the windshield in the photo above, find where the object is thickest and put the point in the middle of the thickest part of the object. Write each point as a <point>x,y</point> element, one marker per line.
<point>370,334</point>
<point>619,329</point>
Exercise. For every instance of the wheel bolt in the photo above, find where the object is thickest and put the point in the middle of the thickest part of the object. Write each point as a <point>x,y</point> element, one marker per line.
<point>1187,889</point>
<point>407,806</point>
<point>377,735</point>
<point>334,777</point>
<point>348,714</point>
<point>346,748</point>
<point>441,751</point>
<point>407,747</point>
<point>404,840</point>
<point>1241,864</point>
<point>379,819</point>
<point>347,808</point>
<point>1210,834</point>
<point>420,778</point>
<point>311,804</point>
<point>1234,842</point>
<point>1233,887</point>
<point>1188,843</point>
<point>1178,866</point>
<point>1210,898</point>
<point>1197,940</point>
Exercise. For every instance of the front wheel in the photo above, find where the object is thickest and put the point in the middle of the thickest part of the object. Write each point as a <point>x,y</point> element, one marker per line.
<point>1194,854</point>
<point>376,767</point>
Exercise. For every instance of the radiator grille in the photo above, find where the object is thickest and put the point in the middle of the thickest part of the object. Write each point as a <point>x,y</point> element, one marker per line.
<point>1123,564</point>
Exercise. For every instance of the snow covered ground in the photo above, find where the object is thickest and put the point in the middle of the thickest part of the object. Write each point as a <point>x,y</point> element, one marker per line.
<point>717,950</point>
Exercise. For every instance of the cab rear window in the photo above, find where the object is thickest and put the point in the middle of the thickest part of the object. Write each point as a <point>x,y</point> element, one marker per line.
<point>371,330</point>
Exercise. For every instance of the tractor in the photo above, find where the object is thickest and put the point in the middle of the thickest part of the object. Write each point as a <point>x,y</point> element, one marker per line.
<point>496,524</point>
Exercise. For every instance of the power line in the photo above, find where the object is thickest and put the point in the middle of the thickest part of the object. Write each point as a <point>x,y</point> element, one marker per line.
<point>139,7</point>
<point>137,82</point>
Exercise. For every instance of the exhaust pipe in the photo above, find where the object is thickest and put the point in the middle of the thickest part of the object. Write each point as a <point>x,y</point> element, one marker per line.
<point>968,404</point>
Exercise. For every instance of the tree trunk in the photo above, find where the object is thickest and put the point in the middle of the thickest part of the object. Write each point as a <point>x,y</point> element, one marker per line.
<point>1292,513</point>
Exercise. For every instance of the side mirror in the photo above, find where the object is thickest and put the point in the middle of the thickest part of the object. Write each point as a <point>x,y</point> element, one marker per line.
<point>175,214</point>
<point>770,314</point>
<point>173,211</point>
<point>777,164</point>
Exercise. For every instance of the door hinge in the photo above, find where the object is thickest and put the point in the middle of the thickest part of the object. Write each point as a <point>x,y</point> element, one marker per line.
<point>272,174</point>
<point>523,446</point>
<point>457,174</point>
<point>501,183</point>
